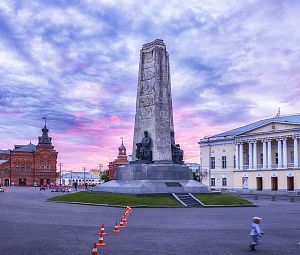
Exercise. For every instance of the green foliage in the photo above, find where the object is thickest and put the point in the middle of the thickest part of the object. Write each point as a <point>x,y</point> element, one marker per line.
<point>221,199</point>
<point>104,177</point>
<point>118,199</point>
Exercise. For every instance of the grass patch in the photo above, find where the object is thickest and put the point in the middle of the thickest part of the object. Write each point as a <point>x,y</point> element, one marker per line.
<point>221,199</point>
<point>118,199</point>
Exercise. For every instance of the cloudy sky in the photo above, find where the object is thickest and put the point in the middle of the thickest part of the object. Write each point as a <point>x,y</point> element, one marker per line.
<point>76,62</point>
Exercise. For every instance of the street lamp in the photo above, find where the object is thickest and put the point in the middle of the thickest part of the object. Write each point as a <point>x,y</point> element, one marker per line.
<point>84,176</point>
<point>60,165</point>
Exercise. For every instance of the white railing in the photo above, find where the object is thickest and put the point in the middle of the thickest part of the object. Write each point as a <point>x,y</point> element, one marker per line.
<point>273,167</point>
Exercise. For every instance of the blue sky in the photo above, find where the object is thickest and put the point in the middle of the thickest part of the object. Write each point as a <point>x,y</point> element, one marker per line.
<point>232,63</point>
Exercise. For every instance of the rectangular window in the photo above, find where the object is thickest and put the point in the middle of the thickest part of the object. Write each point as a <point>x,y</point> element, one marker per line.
<point>276,158</point>
<point>28,168</point>
<point>234,162</point>
<point>261,159</point>
<point>212,182</point>
<point>292,156</point>
<point>224,163</point>
<point>212,163</point>
<point>224,182</point>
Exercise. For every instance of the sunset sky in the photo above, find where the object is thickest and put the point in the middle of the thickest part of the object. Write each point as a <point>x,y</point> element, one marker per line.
<point>76,62</point>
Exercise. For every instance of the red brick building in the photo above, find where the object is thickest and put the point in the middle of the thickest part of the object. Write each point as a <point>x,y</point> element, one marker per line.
<point>26,164</point>
<point>120,161</point>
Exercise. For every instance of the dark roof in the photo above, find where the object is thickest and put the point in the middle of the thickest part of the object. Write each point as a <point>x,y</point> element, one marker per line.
<point>290,119</point>
<point>28,148</point>
<point>4,151</point>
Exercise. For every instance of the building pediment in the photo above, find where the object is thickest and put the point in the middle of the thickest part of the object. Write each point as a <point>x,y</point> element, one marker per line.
<point>273,127</point>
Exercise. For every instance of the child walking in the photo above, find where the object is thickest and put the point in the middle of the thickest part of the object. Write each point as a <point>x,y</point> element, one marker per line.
<point>255,233</point>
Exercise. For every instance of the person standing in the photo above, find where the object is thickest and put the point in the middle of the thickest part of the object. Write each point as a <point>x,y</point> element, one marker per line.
<point>34,184</point>
<point>75,185</point>
<point>255,233</point>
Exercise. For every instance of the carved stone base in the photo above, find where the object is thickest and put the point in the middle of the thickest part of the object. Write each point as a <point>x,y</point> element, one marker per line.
<point>155,171</point>
<point>152,178</point>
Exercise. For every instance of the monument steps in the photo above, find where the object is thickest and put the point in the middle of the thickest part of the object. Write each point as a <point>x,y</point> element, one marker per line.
<point>187,200</point>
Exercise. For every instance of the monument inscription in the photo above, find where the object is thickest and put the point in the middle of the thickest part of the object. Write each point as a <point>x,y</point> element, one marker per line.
<point>154,105</point>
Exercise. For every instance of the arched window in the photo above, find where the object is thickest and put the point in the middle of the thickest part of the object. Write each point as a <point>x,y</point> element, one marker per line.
<point>22,168</point>
<point>17,167</point>
<point>43,167</point>
<point>28,168</point>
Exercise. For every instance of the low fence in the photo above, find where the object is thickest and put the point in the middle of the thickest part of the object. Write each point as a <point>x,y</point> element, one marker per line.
<point>292,197</point>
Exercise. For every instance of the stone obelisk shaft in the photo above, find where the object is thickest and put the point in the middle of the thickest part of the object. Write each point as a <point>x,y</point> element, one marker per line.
<point>154,102</point>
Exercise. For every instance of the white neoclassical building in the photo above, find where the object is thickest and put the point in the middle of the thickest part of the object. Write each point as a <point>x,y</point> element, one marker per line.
<point>260,156</point>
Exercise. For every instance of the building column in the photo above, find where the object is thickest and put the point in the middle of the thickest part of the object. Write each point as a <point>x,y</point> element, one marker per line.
<point>296,161</point>
<point>284,152</point>
<point>264,154</point>
<point>255,155</point>
<point>241,156</point>
<point>237,165</point>
<point>279,153</point>
<point>269,154</point>
<point>250,156</point>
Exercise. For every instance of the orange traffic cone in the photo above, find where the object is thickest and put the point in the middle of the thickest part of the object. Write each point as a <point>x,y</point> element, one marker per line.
<point>102,230</point>
<point>124,220</point>
<point>100,241</point>
<point>128,209</point>
<point>116,229</point>
<point>121,225</point>
<point>95,251</point>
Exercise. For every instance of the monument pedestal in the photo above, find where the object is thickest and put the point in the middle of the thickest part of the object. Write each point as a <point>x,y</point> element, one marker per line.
<point>153,178</point>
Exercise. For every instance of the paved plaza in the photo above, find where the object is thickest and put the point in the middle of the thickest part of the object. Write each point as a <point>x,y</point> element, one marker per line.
<point>31,226</point>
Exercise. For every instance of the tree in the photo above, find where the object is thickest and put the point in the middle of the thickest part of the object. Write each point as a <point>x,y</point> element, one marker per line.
<point>104,177</point>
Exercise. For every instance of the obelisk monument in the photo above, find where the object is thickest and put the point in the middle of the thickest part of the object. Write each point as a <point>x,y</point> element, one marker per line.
<point>154,102</point>
<point>157,165</point>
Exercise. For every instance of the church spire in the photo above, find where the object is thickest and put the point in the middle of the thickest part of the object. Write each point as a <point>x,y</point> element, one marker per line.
<point>122,148</point>
<point>45,139</point>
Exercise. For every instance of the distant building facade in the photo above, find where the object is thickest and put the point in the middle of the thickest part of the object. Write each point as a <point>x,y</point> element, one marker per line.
<point>26,164</point>
<point>69,178</point>
<point>260,156</point>
<point>95,172</point>
<point>120,161</point>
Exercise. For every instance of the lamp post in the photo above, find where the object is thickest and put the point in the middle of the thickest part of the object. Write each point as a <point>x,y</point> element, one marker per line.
<point>100,173</point>
<point>60,165</point>
<point>84,176</point>
<point>71,178</point>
